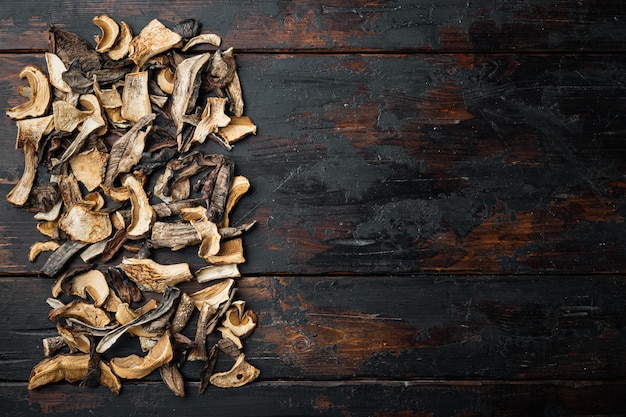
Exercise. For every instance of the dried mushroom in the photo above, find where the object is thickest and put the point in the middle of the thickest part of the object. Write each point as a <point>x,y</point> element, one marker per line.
<point>72,368</point>
<point>113,137</point>
<point>40,95</point>
<point>240,374</point>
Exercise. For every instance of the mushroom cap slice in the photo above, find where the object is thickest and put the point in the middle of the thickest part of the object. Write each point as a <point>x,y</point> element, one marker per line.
<point>240,374</point>
<point>137,367</point>
<point>80,310</point>
<point>89,167</point>
<point>72,368</point>
<point>110,31</point>
<point>93,283</point>
<point>40,96</point>
<point>84,225</point>
<point>38,247</point>
<point>153,39</point>
<point>210,38</point>
<point>165,80</point>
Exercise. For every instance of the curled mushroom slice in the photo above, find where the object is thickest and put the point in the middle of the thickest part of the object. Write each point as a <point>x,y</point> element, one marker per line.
<point>165,80</point>
<point>136,367</point>
<point>29,134</point>
<point>71,368</point>
<point>238,187</point>
<point>75,339</point>
<point>152,276</point>
<point>153,39</point>
<point>38,247</point>
<point>142,213</point>
<point>89,126</point>
<point>239,320</point>
<point>135,96</point>
<point>120,49</point>
<point>233,88</point>
<point>111,101</point>
<point>203,38</point>
<point>125,314</point>
<point>110,31</point>
<point>40,95</point>
<point>91,104</point>
<point>84,225</point>
<point>240,374</point>
<point>207,231</point>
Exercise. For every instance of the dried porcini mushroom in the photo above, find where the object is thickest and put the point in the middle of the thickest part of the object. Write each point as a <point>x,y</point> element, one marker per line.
<point>240,374</point>
<point>40,95</point>
<point>131,117</point>
<point>72,368</point>
<point>241,322</point>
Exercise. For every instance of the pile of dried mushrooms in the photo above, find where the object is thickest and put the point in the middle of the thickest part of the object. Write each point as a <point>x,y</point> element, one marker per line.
<point>114,160</point>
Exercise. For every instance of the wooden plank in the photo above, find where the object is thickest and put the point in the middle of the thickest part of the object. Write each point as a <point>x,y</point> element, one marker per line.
<point>399,163</point>
<point>289,398</point>
<point>397,328</point>
<point>355,25</point>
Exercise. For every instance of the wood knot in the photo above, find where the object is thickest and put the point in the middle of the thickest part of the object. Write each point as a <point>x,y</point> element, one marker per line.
<point>301,343</point>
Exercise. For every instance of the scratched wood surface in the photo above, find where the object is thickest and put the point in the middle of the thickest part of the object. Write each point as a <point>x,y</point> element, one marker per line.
<point>440,196</point>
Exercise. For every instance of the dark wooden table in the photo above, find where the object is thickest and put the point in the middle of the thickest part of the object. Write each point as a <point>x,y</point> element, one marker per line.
<point>440,193</point>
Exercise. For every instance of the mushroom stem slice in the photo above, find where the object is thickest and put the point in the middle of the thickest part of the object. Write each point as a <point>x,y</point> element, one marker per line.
<point>72,368</point>
<point>135,96</point>
<point>152,276</point>
<point>240,374</point>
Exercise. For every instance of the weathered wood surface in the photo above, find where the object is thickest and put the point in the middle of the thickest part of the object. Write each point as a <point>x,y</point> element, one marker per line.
<point>379,164</point>
<point>439,188</point>
<point>349,26</point>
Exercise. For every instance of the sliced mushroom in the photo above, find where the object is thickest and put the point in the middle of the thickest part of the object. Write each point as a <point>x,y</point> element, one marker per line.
<point>111,101</point>
<point>67,117</point>
<point>125,314</point>
<point>29,134</point>
<point>38,247</point>
<point>153,39</point>
<point>91,103</point>
<point>40,95</point>
<point>216,294</point>
<point>238,187</point>
<point>186,88</point>
<point>76,340</point>
<point>238,128</point>
<point>240,374</point>
<point>83,311</point>
<point>52,214</point>
<point>228,334</point>
<point>110,31</point>
<point>136,367</point>
<point>203,38</point>
<point>71,368</point>
<point>126,151</point>
<point>84,225</point>
<point>229,347</point>
<point>215,272</point>
<point>209,235</point>
<point>56,68</point>
<point>135,96</point>
<point>49,228</point>
<point>89,167</point>
<point>233,88</point>
<point>183,313</point>
<point>89,126</point>
<point>231,252</point>
<point>165,80</point>
<point>52,345</point>
<point>152,276</point>
<point>173,379</point>
<point>174,235</point>
<point>120,49</point>
<point>60,257</point>
<point>91,282</point>
<point>206,322</point>
<point>142,214</point>
<point>213,117</point>
<point>239,320</point>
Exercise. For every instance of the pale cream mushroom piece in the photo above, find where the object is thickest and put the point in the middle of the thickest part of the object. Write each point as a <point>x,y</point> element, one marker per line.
<point>110,32</point>
<point>152,40</point>
<point>40,99</point>
<point>240,374</point>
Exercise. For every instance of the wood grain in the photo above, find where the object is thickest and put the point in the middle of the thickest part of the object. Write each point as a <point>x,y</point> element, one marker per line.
<point>394,328</point>
<point>348,26</point>
<point>394,164</point>
<point>288,398</point>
